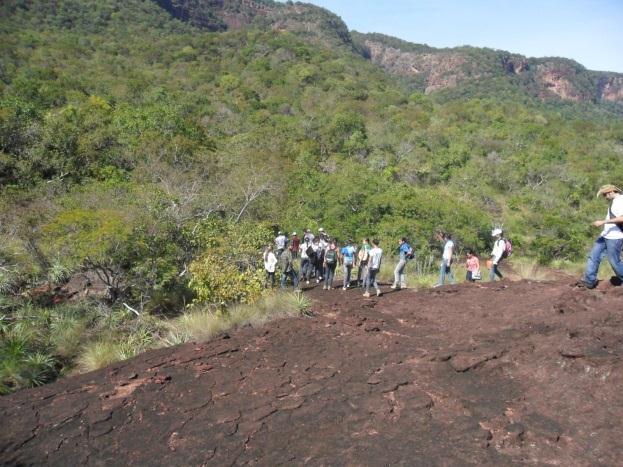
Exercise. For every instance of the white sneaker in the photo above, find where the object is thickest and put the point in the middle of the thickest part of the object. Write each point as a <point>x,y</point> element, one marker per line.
<point>307,282</point>
<point>378,292</point>
<point>343,288</point>
<point>393,286</point>
<point>366,294</point>
<point>317,281</point>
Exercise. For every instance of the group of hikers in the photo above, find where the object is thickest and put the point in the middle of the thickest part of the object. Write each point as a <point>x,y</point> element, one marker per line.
<point>321,254</point>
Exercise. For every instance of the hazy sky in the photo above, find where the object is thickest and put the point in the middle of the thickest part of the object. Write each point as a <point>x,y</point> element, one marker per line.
<point>588,31</point>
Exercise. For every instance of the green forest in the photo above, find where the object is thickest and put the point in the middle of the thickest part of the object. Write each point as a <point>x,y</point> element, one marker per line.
<point>161,155</point>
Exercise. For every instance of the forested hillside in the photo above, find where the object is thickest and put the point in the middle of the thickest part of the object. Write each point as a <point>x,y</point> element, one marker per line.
<point>162,154</point>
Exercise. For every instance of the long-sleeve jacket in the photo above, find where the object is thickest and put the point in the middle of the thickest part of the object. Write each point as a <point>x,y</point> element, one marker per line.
<point>498,250</point>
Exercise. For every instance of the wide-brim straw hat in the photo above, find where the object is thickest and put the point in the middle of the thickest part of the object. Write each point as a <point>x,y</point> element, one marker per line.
<point>607,189</point>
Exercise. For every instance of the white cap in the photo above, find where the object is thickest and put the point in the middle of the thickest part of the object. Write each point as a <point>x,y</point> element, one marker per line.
<point>279,233</point>
<point>293,233</point>
<point>320,229</point>
<point>496,232</point>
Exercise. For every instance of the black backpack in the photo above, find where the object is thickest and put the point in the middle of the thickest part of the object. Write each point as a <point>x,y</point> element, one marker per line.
<point>311,254</point>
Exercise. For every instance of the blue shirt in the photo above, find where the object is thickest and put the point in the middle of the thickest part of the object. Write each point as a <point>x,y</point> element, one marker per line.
<point>349,253</point>
<point>404,249</point>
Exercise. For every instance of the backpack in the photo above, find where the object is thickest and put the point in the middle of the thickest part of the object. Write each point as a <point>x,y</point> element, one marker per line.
<point>508,248</point>
<point>311,254</point>
<point>330,256</point>
<point>410,254</point>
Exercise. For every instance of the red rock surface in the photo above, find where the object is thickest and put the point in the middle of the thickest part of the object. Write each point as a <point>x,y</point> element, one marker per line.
<point>509,373</point>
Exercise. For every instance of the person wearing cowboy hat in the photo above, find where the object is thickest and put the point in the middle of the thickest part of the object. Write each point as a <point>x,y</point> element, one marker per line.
<point>610,240</point>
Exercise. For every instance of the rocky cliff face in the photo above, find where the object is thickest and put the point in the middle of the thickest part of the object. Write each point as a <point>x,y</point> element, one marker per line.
<point>314,23</point>
<point>611,88</point>
<point>438,69</point>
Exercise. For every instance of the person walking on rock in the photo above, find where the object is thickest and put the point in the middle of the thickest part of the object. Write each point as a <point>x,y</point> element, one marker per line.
<point>307,259</point>
<point>405,253</point>
<point>472,264</point>
<point>280,242</point>
<point>296,243</point>
<point>497,254</point>
<point>348,261</point>
<point>331,258</point>
<point>286,262</point>
<point>610,240</point>
<point>445,269</point>
<point>362,261</point>
<point>374,266</point>
<point>270,262</point>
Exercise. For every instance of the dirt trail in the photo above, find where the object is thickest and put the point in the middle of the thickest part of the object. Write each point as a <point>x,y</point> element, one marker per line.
<point>498,374</point>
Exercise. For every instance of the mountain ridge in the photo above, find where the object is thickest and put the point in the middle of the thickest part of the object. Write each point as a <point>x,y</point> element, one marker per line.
<point>425,68</point>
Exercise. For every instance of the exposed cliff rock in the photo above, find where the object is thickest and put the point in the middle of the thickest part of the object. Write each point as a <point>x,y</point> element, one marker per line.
<point>611,88</point>
<point>312,22</point>
<point>492,374</point>
<point>438,69</point>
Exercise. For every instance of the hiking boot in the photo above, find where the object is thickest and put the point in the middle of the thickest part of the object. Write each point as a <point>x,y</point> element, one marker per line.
<point>582,284</point>
<point>367,295</point>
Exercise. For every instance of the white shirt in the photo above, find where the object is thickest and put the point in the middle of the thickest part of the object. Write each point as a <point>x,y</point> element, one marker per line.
<point>303,249</point>
<point>323,244</point>
<point>375,257</point>
<point>270,261</point>
<point>612,231</point>
<point>447,250</point>
<point>280,242</point>
<point>498,250</point>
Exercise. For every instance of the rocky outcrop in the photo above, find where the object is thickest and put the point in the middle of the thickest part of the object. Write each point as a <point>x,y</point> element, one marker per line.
<point>314,23</point>
<point>439,69</point>
<point>492,374</point>
<point>611,88</point>
<point>558,79</point>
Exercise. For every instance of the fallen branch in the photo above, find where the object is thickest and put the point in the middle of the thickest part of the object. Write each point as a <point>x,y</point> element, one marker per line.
<point>131,309</point>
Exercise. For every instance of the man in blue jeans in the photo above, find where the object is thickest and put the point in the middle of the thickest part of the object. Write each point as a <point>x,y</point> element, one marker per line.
<point>405,251</point>
<point>610,241</point>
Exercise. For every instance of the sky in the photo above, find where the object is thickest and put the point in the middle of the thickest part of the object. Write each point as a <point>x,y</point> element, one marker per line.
<point>587,31</point>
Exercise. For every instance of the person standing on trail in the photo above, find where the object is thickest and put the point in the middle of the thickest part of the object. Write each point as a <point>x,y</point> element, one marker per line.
<point>497,254</point>
<point>362,261</point>
<point>318,259</point>
<point>270,262</point>
<point>374,266</point>
<point>472,264</point>
<point>610,240</point>
<point>307,259</point>
<point>405,253</point>
<point>331,258</point>
<point>286,262</point>
<point>295,242</point>
<point>446,259</point>
<point>280,242</point>
<point>348,261</point>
